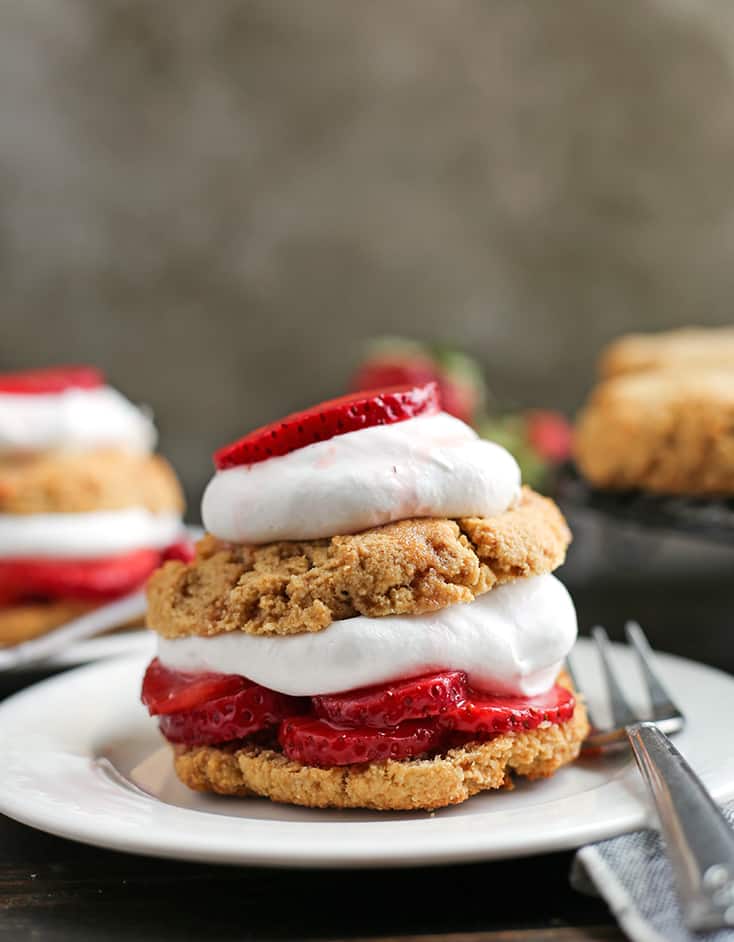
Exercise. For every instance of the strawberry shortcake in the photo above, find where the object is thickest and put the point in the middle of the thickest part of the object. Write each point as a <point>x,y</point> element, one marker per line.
<point>87,511</point>
<point>371,620</point>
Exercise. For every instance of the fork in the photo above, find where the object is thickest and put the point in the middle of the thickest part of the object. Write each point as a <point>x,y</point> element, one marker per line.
<point>698,839</point>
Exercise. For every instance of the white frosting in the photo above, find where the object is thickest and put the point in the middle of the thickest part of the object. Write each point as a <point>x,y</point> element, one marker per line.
<point>430,466</point>
<point>511,640</point>
<point>83,535</point>
<point>73,419</point>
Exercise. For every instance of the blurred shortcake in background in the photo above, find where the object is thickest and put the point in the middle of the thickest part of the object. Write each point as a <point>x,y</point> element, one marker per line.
<point>87,510</point>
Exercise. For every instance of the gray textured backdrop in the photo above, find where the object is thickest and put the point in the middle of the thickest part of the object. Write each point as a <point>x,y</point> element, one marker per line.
<point>219,201</point>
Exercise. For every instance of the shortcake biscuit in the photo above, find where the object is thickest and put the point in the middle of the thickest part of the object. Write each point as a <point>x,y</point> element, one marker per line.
<point>408,567</point>
<point>662,431</point>
<point>83,482</point>
<point>687,348</point>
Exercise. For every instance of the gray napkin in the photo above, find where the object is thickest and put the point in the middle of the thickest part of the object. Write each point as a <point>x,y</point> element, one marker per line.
<point>633,875</point>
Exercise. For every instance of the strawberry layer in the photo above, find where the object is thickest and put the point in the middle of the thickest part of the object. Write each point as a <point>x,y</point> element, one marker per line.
<point>411,717</point>
<point>100,580</point>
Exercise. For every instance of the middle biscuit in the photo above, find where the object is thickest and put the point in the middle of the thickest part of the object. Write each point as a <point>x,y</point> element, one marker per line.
<point>408,567</point>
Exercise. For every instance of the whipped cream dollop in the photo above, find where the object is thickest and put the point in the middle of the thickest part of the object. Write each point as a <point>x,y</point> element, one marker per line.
<point>511,640</point>
<point>73,419</point>
<point>429,466</point>
<point>85,535</point>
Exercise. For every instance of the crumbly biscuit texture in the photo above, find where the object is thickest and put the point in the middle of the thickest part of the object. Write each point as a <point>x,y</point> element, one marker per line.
<point>662,431</point>
<point>23,622</point>
<point>688,348</point>
<point>82,482</point>
<point>412,566</point>
<point>408,785</point>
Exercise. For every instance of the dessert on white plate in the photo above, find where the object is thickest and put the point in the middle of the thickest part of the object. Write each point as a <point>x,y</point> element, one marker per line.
<point>371,620</point>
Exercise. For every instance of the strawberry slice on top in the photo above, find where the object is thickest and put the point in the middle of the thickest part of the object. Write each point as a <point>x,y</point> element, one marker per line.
<point>329,419</point>
<point>52,379</point>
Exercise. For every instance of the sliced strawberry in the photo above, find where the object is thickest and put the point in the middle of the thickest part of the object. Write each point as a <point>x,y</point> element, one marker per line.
<point>485,715</point>
<point>53,379</point>
<point>329,419</point>
<point>170,691</point>
<point>91,579</point>
<point>231,717</point>
<point>321,743</point>
<point>391,704</point>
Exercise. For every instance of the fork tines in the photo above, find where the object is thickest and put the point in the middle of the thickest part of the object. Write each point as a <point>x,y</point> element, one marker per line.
<point>663,710</point>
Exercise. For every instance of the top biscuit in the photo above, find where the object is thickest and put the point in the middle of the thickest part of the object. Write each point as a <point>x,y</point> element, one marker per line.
<point>408,567</point>
<point>82,482</point>
<point>690,347</point>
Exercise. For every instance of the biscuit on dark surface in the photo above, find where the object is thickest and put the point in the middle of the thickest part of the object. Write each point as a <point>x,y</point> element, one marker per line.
<point>687,348</point>
<point>664,431</point>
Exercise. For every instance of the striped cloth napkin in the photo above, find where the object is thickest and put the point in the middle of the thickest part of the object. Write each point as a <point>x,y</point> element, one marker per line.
<point>632,874</point>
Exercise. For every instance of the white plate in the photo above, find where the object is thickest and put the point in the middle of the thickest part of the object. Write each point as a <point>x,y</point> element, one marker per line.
<point>82,759</point>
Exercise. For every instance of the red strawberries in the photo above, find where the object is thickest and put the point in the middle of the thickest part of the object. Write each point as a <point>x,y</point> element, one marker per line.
<point>53,379</point>
<point>231,716</point>
<point>388,721</point>
<point>85,579</point>
<point>208,707</point>
<point>390,704</point>
<point>93,580</point>
<point>329,419</point>
<point>318,742</point>
<point>168,691</point>
<point>485,715</point>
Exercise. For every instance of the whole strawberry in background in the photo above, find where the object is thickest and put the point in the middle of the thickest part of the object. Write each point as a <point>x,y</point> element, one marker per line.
<point>540,439</point>
<point>393,361</point>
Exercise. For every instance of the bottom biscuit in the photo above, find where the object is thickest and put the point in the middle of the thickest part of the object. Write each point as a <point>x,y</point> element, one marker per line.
<point>412,784</point>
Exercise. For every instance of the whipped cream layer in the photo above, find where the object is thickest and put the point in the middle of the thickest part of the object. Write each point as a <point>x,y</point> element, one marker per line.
<point>511,640</point>
<point>430,466</point>
<point>86,535</point>
<point>74,419</point>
